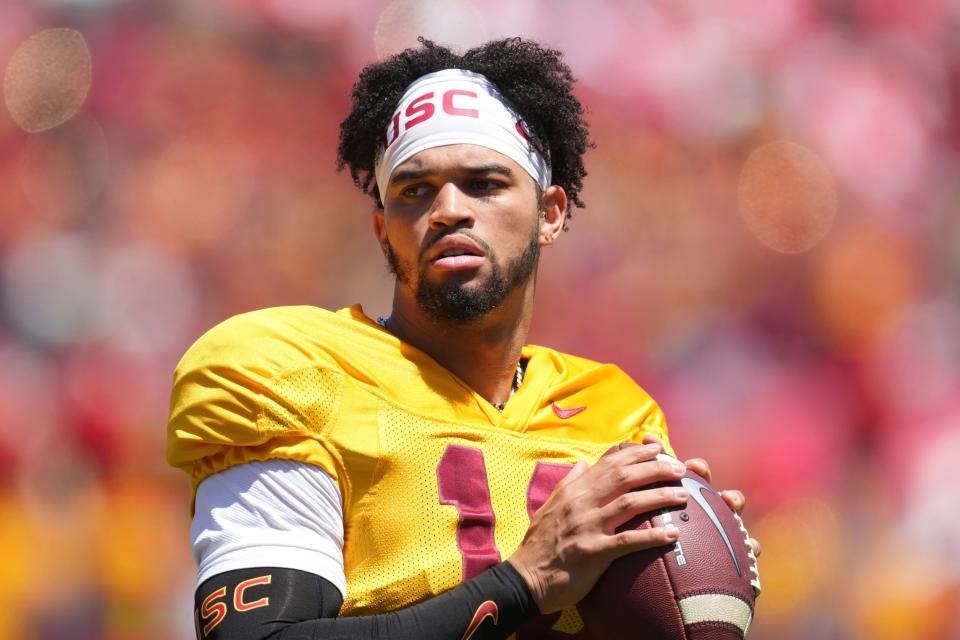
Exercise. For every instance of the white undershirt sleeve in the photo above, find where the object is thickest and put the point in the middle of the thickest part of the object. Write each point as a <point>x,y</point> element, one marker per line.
<point>275,513</point>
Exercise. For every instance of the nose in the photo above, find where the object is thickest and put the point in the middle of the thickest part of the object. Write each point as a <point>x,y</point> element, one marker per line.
<point>451,208</point>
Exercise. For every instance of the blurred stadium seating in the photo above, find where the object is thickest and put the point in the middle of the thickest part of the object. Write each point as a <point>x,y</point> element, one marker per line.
<point>771,246</point>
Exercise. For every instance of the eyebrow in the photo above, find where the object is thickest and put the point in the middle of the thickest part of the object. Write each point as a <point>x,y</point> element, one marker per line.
<point>410,175</point>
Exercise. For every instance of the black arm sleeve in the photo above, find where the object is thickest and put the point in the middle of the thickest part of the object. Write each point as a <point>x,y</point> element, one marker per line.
<point>287,604</point>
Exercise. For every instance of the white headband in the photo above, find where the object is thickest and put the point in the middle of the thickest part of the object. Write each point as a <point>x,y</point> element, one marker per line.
<point>454,106</point>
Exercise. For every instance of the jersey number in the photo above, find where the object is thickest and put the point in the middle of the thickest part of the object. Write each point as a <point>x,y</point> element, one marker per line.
<point>462,481</point>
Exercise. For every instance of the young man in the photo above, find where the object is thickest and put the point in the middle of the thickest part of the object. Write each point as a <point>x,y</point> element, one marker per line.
<point>361,478</point>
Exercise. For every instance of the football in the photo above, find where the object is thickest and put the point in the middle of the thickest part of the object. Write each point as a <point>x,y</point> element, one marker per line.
<point>703,587</point>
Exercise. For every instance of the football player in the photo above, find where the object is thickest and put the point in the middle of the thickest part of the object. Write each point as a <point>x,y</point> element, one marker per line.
<point>426,474</point>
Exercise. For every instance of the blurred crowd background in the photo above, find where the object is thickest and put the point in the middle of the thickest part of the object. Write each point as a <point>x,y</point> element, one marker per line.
<point>771,247</point>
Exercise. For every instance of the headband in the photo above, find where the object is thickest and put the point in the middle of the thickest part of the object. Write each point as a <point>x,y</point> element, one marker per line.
<point>454,106</point>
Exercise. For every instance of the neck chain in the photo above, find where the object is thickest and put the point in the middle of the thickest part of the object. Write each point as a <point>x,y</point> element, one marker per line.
<point>517,377</point>
<point>517,381</point>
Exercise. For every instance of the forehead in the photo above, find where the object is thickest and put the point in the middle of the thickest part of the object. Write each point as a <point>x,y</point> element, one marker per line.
<point>452,158</point>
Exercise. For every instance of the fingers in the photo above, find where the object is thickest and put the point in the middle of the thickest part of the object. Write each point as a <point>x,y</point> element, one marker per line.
<point>572,538</point>
<point>629,452</point>
<point>697,465</point>
<point>633,503</point>
<point>578,470</point>
<point>633,540</point>
<point>628,469</point>
<point>700,467</point>
<point>734,499</point>
<point>649,438</point>
<point>737,501</point>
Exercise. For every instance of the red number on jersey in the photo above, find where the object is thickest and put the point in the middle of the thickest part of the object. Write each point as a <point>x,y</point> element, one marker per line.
<point>462,480</point>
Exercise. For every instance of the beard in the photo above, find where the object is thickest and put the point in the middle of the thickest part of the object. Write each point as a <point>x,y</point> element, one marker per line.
<point>452,302</point>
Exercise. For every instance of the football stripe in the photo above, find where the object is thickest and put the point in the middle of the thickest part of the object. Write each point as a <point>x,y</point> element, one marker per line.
<point>716,607</point>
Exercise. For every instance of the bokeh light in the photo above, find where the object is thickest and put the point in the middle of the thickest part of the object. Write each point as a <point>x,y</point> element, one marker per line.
<point>48,282</point>
<point>455,23</point>
<point>188,193</point>
<point>802,542</point>
<point>28,420</point>
<point>900,595</point>
<point>147,298</point>
<point>863,284</point>
<point>932,487</point>
<point>47,79</point>
<point>63,171</point>
<point>787,196</point>
<point>771,247</point>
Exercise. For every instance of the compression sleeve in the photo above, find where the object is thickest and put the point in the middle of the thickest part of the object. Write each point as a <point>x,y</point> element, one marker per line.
<point>288,604</point>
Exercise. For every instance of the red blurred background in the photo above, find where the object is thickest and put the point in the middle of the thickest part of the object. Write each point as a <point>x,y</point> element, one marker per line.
<point>771,247</point>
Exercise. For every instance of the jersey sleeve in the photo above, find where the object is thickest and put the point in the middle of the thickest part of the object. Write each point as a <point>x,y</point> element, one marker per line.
<point>249,390</point>
<point>632,406</point>
<point>275,513</point>
<point>654,423</point>
<point>599,403</point>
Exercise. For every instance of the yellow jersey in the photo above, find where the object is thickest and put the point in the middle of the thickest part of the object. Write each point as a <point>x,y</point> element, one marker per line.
<point>437,484</point>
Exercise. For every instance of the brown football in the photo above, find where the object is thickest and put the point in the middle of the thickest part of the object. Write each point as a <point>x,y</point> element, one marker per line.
<point>703,587</point>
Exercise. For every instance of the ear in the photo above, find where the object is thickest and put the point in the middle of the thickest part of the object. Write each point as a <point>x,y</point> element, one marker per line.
<point>554,213</point>
<point>380,228</point>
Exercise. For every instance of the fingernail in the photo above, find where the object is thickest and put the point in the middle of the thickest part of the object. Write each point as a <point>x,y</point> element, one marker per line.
<point>679,467</point>
<point>652,447</point>
<point>681,494</point>
<point>671,531</point>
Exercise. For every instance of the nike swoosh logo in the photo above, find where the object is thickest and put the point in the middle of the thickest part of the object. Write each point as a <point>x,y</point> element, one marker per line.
<point>487,609</point>
<point>696,490</point>
<point>563,414</point>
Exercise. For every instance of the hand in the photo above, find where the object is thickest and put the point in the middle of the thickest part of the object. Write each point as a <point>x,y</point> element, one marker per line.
<point>572,539</point>
<point>733,497</point>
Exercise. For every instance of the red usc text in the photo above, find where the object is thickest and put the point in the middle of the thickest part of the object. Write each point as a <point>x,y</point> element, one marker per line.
<point>422,108</point>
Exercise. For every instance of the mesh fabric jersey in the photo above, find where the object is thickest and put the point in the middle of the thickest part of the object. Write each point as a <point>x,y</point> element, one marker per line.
<point>437,484</point>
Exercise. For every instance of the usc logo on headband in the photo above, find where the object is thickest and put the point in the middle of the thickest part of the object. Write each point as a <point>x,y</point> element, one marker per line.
<point>454,106</point>
<point>422,109</point>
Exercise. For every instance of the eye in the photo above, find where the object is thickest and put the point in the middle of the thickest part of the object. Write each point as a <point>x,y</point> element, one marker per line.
<point>414,191</point>
<point>485,186</point>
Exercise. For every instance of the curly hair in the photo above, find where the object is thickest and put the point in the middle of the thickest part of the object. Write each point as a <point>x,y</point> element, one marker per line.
<point>534,79</point>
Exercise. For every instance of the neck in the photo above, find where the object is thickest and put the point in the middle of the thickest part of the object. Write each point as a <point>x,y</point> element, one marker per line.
<point>484,353</point>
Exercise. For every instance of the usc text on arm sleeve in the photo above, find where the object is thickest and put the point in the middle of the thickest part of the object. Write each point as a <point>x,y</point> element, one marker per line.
<point>288,604</point>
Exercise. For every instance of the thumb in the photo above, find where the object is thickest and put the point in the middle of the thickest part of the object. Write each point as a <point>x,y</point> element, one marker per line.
<point>649,438</point>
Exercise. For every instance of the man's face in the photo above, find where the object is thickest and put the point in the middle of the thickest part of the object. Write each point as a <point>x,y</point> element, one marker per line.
<point>461,229</point>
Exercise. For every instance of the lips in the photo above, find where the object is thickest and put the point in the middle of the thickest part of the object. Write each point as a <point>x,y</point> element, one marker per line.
<point>456,252</point>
